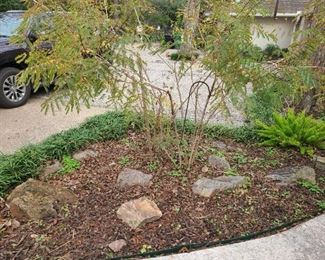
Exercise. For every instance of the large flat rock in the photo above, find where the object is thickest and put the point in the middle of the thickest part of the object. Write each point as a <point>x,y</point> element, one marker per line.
<point>206,187</point>
<point>37,200</point>
<point>129,177</point>
<point>138,212</point>
<point>290,175</point>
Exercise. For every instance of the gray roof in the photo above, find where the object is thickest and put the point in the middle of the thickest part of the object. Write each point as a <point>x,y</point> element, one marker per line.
<point>286,6</point>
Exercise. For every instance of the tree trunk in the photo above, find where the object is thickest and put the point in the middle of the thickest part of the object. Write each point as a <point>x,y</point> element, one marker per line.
<point>191,22</point>
<point>312,101</point>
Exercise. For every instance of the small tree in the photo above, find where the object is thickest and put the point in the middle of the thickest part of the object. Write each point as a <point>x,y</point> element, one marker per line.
<point>93,51</point>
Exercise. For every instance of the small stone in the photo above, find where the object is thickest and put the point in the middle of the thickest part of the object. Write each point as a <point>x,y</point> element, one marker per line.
<point>15,224</point>
<point>130,177</point>
<point>49,169</point>
<point>320,163</point>
<point>219,145</point>
<point>218,162</point>
<point>117,245</point>
<point>11,223</point>
<point>208,187</point>
<point>290,175</point>
<point>138,212</point>
<point>82,155</point>
<point>37,200</point>
<point>205,169</point>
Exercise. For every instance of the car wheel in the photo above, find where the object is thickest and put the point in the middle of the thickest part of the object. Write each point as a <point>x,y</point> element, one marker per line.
<point>12,95</point>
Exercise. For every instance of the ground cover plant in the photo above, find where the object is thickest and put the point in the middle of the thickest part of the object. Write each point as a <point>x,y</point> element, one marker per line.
<point>86,230</point>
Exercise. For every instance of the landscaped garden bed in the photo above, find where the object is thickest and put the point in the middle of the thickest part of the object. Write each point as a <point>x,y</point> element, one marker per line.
<point>181,214</point>
<point>158,175</point>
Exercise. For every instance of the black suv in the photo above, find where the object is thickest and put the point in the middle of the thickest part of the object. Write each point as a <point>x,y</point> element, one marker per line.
<point>11,94</point>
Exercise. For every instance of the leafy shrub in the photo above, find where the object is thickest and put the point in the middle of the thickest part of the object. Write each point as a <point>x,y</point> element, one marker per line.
<point>179,56</point>
<point>164,13</point>
<point>243,134</point>
<point>294,130</point>
<point>7,5</point>
<point>273,51</point>
<point>255,53</point>
<point>175,40</point>
<point>264,101</point>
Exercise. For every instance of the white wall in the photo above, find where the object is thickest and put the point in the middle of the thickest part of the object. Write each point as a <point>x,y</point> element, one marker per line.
<point>281,27</point>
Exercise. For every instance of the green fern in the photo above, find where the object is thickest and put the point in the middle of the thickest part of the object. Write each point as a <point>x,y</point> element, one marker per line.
<point>294,130</point>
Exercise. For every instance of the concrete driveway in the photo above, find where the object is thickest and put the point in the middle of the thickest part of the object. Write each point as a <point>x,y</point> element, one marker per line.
<point>28,125</point>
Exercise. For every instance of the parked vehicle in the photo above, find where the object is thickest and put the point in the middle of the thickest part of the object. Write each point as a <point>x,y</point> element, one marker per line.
<point>11,94</point>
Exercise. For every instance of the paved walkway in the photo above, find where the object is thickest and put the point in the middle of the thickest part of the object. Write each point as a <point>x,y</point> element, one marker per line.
<point>29,125</point>
<point>303,242</point>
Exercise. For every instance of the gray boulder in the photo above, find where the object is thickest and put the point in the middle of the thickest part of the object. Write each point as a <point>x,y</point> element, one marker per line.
<point>219,145</point>
<point>82,155</point>
<point>208,187</point>
<point>130,177</point>
<point>290,175</point>
<point>218,162</point>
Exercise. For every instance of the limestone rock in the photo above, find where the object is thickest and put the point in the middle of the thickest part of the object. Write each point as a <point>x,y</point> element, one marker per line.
<point>117,245</point>
<point>320,163</point>
<point>82,155</point>
<point>208,187</point>
<point>49,169</point>
<point>218,162</point>
<point>219,145</point>
<point>38,200</point>
<point>138,212</point>
<point>129,177</point>
<point>290,175</point>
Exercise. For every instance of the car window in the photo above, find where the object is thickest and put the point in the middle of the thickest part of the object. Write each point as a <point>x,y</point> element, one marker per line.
<point>9,24</point>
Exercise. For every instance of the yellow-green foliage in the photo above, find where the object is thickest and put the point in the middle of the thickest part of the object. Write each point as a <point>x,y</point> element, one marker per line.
<point>294,130</point>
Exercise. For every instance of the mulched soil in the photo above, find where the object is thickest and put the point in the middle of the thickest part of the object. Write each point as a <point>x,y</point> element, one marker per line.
<point>86,230</point>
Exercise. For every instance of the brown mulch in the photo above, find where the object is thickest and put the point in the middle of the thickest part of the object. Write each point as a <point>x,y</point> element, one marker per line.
<point>86,230</point>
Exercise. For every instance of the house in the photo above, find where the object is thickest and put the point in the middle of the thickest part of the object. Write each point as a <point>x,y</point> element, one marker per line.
<point>283,19</point>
